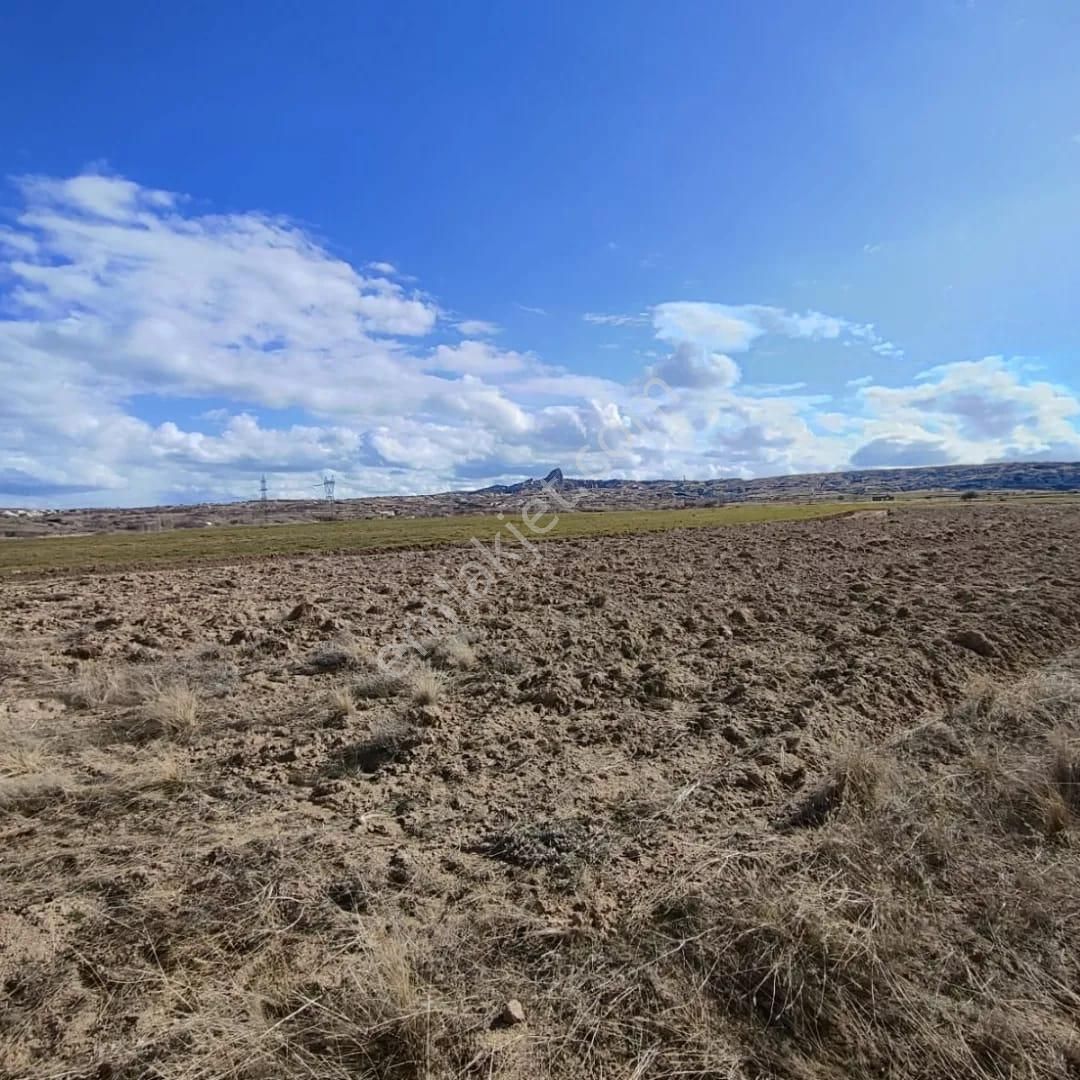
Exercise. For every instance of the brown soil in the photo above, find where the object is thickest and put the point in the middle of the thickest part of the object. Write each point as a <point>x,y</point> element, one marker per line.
<point>704,803</point>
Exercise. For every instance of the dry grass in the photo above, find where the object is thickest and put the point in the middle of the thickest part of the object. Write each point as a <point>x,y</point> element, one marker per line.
<point>1038,792</point>
<point>31,793</point>
<point>194,545</point>
<point>340,702</point>
<point>100,685</point>
<point>1041,701</point>
<point>141,703</point>
<point>30,776</point>
<point>138,774</point>
<point>1026,773</point>
<point>426,686</point>
<point>173,710</point>
<point>449,654</point>
<point>344,653</point>
<point>379,684</point>
<point>915,916</point>
<point>374,1017</point>
<point>876,942</point>
<point>856,781</point>
<point>903,930</point>
<point>20,755</point>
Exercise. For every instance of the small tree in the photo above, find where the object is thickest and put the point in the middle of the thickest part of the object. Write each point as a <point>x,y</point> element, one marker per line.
<point>968,495</point>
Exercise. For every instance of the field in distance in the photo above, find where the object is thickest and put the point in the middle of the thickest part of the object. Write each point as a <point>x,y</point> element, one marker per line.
<point>176,547</point>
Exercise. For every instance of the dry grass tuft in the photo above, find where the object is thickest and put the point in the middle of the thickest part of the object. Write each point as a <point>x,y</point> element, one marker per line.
<point>20,756</point>
<point>811,959</point>
<point>341,654</point>
<point>374,1017</point>
<point>451,653</point>
<point>421,684</point>
<point>379,684</point>
<point>1064,768</point>
<point>1026,775</point>
<point>340,702</point>
<point>1042,701</point>
<point>165,711</point>
<point>175,709</point>
<point>29,777</point>
<point>30,794</point>
<point>426,686</point>
<point>1035,790</point>
<point>132,775</point>
<point>98,685</point>
<point>858,779</point>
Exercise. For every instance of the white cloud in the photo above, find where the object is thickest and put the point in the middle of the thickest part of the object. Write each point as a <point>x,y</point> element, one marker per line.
<point>105,197</point>
<point>598,319</point>
<point>891,451</point>
<point>693,367</point>
<point>145,348</point>
<point>974,410</point>
<point>478,328</point>
<point>981,400</point>
<point>736,328</point>
<point>478,358</point>
<point>530,310</point>
<point>832,421</point>
<point>713,326</point>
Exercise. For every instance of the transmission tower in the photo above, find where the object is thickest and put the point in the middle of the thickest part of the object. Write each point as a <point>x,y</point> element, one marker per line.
<point>328,487</point>
<point>264,493</point>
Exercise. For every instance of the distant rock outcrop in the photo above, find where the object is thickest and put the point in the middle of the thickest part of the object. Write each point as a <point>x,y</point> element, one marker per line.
<point>1000,476</point>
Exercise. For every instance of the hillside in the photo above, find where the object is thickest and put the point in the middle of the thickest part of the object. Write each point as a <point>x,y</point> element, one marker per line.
<point>1004,476</point>
<point>588,494</point>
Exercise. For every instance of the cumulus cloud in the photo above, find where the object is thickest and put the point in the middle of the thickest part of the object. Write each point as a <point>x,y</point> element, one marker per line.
<point>892,451</point>
<point>714,326</point>
<point>982,401</point>
<point>692,367</point>
<point>736,327</point>
<point>478,358</point>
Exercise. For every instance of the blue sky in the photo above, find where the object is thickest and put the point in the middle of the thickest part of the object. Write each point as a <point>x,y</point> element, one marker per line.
<point>429,246</point>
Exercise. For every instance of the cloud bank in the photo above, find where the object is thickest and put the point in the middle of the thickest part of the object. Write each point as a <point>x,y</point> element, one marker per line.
<point>152,352</point>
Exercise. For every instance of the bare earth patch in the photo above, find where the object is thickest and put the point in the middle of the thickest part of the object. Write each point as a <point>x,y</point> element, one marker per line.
<point>797,800</point>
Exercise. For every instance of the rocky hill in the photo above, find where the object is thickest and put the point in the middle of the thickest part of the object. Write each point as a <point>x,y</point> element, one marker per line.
<point>589,494</point>
<point>1005,476</point>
